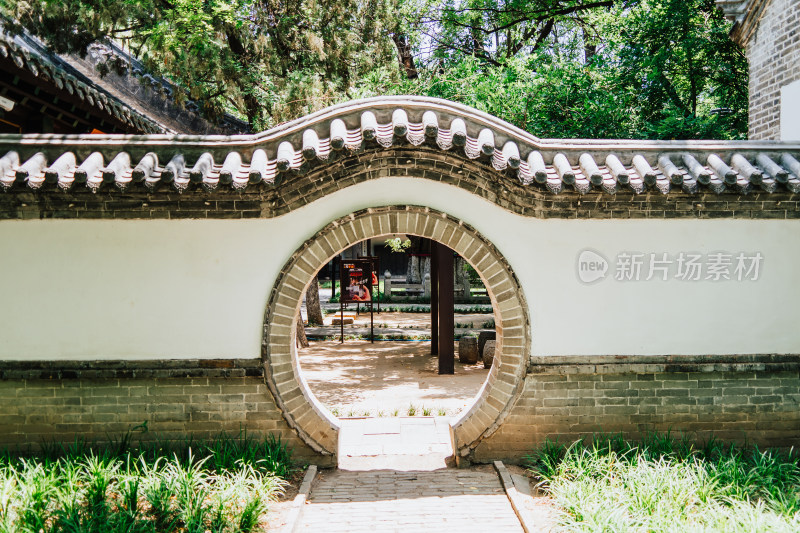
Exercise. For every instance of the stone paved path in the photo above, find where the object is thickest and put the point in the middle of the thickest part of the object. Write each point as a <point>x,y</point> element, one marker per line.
<point>388,500</point>
<point>397,443</point>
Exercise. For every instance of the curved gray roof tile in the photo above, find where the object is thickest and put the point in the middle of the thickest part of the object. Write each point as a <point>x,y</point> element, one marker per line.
<point>587,166</point>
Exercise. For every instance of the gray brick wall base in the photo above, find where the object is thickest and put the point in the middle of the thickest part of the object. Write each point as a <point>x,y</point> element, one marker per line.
<point>42,406</point>
<point>751,399</point>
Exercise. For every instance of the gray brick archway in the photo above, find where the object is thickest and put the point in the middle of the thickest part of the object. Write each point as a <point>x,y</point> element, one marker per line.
<point>506,377</point>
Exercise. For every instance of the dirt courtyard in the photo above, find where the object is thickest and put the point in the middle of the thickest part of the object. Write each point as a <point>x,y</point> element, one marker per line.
<point>359,378</point>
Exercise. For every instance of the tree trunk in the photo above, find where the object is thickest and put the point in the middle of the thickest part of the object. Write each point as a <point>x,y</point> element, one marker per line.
<point>313,307</point>
<point>462,276</point>
<point>252,107</point>
<point>424,267</point>
<point>302,340</point>
<point>589,45</point>
<point>405,56</point>
<point>412,274</point>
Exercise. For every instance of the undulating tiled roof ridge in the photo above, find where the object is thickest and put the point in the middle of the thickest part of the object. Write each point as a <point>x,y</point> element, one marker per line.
<point>27,53</point>
<point>605,166</point>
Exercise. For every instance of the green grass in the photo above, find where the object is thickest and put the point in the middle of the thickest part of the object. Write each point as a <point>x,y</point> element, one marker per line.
<point>412,410</point>
<point>669,484</point>
<point>224,485</point>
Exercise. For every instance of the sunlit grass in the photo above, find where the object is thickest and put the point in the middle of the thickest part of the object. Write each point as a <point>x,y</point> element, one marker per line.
<point>222,486</point>
<point>411,410</point>
<point>669,484</point>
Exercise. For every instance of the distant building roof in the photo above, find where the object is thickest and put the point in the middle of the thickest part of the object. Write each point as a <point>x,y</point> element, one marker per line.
<point>66,94</point>
<point>745,15</point>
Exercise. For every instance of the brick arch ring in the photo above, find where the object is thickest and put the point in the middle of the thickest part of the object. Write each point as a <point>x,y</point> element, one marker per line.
<point>505,381</point>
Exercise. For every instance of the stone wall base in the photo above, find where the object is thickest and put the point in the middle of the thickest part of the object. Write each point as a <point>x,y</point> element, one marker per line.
<point>748,399</point>
<point>738,399</point>
<point>59,401</point>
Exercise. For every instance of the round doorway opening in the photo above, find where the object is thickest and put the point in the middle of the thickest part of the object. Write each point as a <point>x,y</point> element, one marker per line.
<point>499,306</point>
<point>374,320</point>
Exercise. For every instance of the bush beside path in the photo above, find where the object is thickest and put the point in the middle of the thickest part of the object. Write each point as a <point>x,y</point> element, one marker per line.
<point>669,484</point>
<point>226,485</point>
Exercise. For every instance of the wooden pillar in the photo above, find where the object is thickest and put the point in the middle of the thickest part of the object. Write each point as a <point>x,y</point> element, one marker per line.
<point>333,276</point>
<point>434,298</point>
<point>446,310</point>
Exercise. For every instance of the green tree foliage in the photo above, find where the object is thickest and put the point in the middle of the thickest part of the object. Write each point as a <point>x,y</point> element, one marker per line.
<point>662,69</point>
<point>398,245</point>
<point>266,60</point>
<point>492,30</point>
<point>537,92</point>
<point>687,78</point>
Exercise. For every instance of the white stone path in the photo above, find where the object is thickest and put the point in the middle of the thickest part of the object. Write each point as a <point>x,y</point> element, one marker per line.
<point>392,477</point>
<point>397,443</point>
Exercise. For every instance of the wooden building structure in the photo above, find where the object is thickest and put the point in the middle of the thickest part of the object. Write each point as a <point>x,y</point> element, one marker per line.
<point>43,92</point>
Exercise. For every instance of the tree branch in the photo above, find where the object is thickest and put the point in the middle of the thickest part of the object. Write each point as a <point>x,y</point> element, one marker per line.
<point>537,16</point>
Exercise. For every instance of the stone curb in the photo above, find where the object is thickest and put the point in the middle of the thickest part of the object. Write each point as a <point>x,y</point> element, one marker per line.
<point>131,369</point>
<point>514,497</point>
<point>296,512</point>
<point>643,364</point>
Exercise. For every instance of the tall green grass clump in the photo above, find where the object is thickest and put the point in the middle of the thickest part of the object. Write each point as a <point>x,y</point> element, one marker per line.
<point>669,484</point>
<point>221,486</point>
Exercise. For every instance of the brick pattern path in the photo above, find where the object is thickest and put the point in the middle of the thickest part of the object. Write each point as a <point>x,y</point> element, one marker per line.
<point>387,500</point>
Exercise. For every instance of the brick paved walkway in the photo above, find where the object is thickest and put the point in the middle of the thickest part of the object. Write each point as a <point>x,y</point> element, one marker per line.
<point>409,502</point>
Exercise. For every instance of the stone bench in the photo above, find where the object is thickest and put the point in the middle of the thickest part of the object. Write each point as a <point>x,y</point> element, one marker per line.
<point>399,285</point>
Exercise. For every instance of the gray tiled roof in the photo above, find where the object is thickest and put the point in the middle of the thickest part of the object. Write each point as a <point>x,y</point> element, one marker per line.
<point>601,166</point>
<point>27,53</point>
<point>744,14</point>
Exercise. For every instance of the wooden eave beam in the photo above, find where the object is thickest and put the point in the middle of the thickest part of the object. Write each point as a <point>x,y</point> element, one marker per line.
<point>33,85</point>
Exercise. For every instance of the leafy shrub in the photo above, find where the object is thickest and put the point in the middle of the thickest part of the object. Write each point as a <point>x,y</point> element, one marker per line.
<point>224,485</point>
<point>669,484</point>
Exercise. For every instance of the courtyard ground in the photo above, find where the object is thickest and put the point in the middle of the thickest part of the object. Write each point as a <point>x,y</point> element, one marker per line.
<point>386,378</point>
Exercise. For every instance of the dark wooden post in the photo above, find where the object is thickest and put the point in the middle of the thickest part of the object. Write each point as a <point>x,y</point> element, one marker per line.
<point>333,276</point>
<point>446,310</point>
<point>434,298</point>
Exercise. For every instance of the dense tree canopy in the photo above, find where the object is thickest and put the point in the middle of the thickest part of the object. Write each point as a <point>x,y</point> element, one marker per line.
<point>557,68</point>
<point>265,60</point>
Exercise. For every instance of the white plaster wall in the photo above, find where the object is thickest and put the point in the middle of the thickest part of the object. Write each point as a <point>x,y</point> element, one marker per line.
<point>790,112</point>
<point>198,288</point>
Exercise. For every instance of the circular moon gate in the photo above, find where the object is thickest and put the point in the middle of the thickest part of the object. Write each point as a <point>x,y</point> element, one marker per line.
<point>506,377</point>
